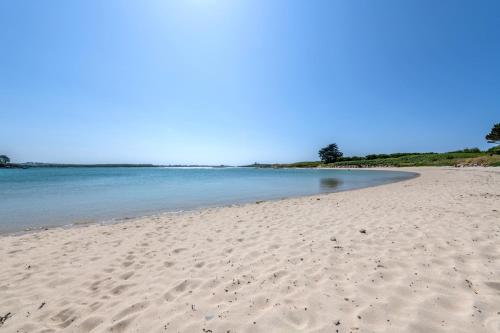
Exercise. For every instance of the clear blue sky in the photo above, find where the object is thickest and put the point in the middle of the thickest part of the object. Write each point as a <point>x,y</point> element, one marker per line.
<point>214,81</point>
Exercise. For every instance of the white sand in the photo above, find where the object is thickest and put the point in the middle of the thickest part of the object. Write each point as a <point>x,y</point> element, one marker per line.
<point>428,262</point>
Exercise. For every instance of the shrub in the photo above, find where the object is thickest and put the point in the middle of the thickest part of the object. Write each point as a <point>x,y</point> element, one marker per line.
<point>494,150</point>
<point>330,153</point>
<point>467,150</point>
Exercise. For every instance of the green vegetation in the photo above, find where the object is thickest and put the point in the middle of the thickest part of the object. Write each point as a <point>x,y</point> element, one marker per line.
<point>464,157</point>
<point>4,159</point>
<point>330,153</point>
<point>332,157</point>
<point>306,164</point>
<point>5,163</point>
<point>494,135</point>
<point>494,150</point>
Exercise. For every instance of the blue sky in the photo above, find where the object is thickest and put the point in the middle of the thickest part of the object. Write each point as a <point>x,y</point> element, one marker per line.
<point>206,81</point>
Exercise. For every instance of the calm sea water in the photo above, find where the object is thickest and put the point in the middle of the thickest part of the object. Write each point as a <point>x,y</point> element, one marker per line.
<point>40,197</point>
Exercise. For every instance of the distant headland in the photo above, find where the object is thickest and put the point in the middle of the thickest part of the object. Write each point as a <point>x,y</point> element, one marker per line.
<point>26,165</point>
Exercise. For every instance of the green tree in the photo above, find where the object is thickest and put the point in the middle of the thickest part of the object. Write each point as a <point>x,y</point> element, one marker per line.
<point>330,153</point>
<point>4,159</point>
<point>494,135</point>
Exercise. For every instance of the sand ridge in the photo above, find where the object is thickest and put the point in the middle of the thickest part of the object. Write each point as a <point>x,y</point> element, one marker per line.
<point>415,256</point>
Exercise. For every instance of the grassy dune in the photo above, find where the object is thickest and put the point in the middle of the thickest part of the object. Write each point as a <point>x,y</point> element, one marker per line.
<point>459,158</point>
<point>431,159</point>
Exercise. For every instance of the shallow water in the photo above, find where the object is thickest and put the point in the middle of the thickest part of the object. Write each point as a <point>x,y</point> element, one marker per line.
<point>39,197</point>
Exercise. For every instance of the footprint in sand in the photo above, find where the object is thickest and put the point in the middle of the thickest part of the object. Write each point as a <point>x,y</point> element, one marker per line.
<point>186,285</point>
<point>90,323</point>
<point>169,263</point>
<point>120,289</point>
<point>494,285</point>
<point>126,276</point>
<point>131,309</point>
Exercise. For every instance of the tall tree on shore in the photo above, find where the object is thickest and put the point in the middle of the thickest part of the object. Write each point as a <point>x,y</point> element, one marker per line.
<point>4,159</point>
<point>330,153</point>
<point>494,135</point>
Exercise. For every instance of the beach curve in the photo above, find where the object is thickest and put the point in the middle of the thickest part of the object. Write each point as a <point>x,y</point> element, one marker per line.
<point>414,256</point>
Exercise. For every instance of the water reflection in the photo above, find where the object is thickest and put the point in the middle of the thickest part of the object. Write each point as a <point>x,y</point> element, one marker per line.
<point>329,184</point>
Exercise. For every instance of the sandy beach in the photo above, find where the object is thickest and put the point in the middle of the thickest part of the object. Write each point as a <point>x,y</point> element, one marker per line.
<point>420,255</point>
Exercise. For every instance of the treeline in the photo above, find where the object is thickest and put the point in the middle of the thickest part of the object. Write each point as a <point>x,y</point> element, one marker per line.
<point>377,156</point>
<point>463,157</point>
<point>396,155</point>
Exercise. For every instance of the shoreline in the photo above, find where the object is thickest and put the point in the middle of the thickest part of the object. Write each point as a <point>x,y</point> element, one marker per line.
<point>418,255</point>
<point>125,219</point>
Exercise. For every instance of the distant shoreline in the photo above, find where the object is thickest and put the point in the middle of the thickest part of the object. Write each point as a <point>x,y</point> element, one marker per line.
<point>112,165</point>
<point>460,158</point>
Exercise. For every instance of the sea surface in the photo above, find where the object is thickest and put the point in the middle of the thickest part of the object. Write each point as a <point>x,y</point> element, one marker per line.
<point>46,197</point>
